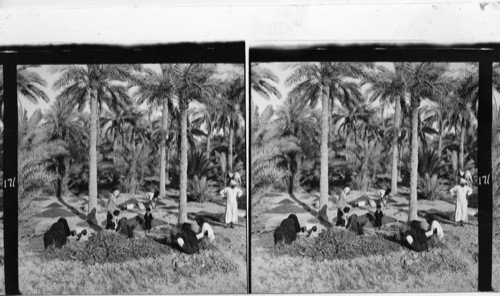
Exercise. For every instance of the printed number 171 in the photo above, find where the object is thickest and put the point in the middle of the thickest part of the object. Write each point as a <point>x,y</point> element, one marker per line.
<point>9,182</point>
<point>484,180</point>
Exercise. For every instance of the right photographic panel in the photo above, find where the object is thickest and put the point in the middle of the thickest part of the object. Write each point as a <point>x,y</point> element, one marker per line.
<point>364,176</point>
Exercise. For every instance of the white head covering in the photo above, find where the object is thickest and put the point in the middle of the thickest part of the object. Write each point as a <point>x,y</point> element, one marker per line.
<point>233,183</point>
<point>180,242</point>
<point>116,193</point>
<point>347,190</point>
<point>463,181</point>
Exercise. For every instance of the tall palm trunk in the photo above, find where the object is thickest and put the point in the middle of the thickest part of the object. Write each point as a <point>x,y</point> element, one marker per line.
<point>167,168</point>
<point>291,169</point>
<point>61,176</point>
<point>209,132</point>
<point>93,153</point>
<point>298,168</point>
<point>163,144</point>
<point>440,143</point>
<point>223,166</point>
<point>462,143</point>
<point>184,167</point>
<point>294,167</point>
<point>394,171</point>
<point>325,113</point>
<point>412,215</point>
<point>59,179</point>
<point>230,146</point>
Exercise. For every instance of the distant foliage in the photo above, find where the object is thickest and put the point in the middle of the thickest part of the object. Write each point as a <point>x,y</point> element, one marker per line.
<point>200,189</point>
<point>33,175</point>
<point>361,182</point>
<point>365,160</point>
<point>268,170</point>
<point>429,162</point>
<point>430,187</point>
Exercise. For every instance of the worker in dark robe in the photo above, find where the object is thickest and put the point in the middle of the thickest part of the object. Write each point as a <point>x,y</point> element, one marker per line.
<point>415,237</point>
<point>186,240</point>
<point>58,234</point>
<point>355,225</point>
<point>288,229</point>
<point>91,218</point>
<point>378,216</point>
<point>340,218</point>
<point>148,218</point>
<point>125,228</point>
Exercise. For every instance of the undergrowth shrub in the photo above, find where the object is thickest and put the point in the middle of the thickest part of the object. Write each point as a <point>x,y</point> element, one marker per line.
<point>361,182</point>
<point>200,189</point>
<point>430,187</point>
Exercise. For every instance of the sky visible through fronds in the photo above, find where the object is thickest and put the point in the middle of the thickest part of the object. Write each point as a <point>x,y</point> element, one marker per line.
<point>280,70</point>
<point>44,71</point>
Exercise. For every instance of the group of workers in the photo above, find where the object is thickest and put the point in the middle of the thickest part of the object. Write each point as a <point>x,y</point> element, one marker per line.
<point>186,239</point>
<point>416,237</point>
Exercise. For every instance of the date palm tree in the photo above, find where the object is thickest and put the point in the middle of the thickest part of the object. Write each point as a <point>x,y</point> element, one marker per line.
<point>295,119</point>
<point>63,124</point>
<point>196,83</point>
<point>30,84</point>
<point>158,89</point>
<point>94,86</point>
<point>232,111</point>
<point>423,81</point>
<point>114,123</point>
<point>462,112</point>
<point>355,120</point>
<point>205,116</point>
<point>263,81</point>
<point>389,86</point>
<point>325,82</point>
<point>436,114</point>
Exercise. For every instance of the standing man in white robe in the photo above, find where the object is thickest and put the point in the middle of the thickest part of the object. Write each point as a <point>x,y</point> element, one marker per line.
<point>231,193</point>
<point>462,191</point>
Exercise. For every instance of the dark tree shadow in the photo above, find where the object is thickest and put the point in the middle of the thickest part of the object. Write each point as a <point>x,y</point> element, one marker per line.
<point>72,208</point>
<point>77,212</point>
<point>441,216</point>
<point>214,219</point>
<point>313,212</point>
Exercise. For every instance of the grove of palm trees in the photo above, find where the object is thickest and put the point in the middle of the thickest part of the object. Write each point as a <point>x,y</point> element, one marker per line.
<point>90,135</point>
<point>327,133</point>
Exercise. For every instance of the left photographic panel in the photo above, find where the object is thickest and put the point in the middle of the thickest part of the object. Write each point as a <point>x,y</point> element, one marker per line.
<point>132,178</point>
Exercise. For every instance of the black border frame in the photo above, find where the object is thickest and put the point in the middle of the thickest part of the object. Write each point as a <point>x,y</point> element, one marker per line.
<point>10,57</point>
<point>484,54</point>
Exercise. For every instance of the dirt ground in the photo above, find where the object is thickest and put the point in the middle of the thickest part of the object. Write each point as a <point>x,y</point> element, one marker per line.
<point>219,269</point>
<point>453,267</point>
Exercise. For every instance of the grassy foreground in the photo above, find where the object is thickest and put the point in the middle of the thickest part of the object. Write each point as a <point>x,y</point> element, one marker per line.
<point>218,269</point>
<point>394,273</point>
<point>311,265</point>
<point>213,271</point>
